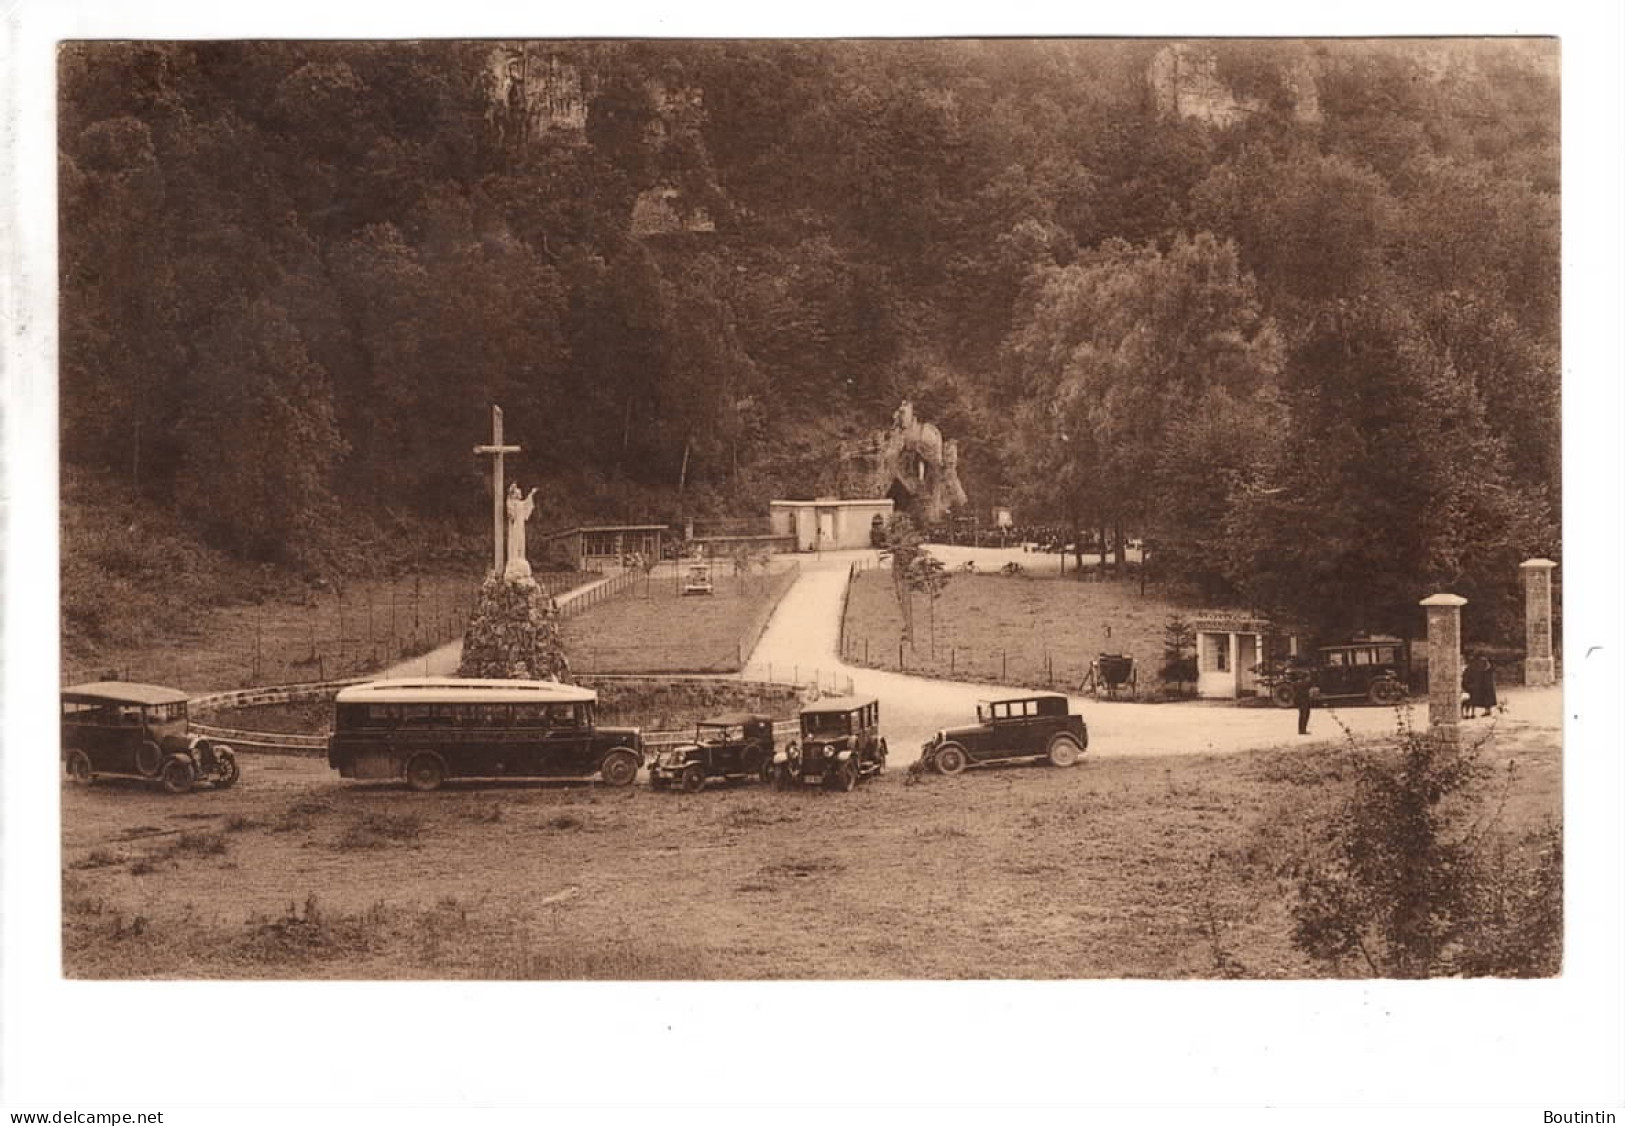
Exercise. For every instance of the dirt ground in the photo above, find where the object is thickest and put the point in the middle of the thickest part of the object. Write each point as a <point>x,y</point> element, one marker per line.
<point>1120,867</point>
<point>1160,856</point>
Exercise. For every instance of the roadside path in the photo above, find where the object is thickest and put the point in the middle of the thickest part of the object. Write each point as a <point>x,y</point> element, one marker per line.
<point>802,640</point>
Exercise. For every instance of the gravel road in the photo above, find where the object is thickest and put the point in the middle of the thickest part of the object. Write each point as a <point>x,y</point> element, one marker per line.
<point>801,640</point>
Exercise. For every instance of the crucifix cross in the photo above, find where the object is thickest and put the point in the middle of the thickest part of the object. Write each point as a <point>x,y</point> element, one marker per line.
<point>495,451</point>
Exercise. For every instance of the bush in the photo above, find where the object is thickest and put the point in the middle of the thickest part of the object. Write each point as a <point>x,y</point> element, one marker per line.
<point>1413,879</point>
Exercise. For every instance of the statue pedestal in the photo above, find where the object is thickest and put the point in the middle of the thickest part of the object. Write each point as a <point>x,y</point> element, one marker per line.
<point>514,632</point>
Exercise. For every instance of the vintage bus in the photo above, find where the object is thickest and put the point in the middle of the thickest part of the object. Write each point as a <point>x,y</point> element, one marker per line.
<point>424,731</point>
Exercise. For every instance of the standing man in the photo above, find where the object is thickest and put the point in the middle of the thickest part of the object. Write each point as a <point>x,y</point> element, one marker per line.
<point>1303,697</point>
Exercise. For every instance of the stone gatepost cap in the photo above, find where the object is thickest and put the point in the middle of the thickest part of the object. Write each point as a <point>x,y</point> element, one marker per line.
<point>1542,564</point>
<point>1443,600</point>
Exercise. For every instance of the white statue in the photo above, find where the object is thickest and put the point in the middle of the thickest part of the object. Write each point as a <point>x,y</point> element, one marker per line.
<point>519,510</point>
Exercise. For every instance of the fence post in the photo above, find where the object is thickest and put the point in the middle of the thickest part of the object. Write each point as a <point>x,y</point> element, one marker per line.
<point>1004,665</point>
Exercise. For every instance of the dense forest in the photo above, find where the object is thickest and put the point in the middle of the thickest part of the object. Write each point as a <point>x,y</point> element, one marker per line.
<point>1288,310</point>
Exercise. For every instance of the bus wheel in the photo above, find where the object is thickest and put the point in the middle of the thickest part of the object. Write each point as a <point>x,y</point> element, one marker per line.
<point>425,772</point>
<point>619,768</point>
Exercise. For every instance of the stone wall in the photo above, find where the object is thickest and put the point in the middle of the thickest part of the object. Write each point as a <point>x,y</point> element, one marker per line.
<point>672,703</point>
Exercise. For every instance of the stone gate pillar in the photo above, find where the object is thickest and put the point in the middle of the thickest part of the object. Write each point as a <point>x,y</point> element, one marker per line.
<point>1539,669</point>
<point>1444,665</point>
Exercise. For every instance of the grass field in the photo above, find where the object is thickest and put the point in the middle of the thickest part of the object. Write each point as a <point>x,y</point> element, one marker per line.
<point>654,627</point>
<point>1041,632</point>
<point>1155,868</point>
<point>366,626</point>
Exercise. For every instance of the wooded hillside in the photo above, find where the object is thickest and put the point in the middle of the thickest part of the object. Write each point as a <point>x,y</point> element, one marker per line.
<point>1288,310</point>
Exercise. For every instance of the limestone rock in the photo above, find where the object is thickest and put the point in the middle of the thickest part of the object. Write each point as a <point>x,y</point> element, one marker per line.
<point>514,633</point>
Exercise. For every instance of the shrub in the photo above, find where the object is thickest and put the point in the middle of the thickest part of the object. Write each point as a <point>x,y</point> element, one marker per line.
<point>1412,878</point>
<point>1178,653</point>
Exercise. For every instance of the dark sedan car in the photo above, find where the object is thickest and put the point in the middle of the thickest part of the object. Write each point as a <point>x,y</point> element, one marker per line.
<point>1037,726</point>
<point>139,731</point>
<point>733,746</point>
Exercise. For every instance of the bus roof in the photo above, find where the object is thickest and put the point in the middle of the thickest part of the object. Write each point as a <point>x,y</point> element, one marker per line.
<point>451,690</point>
<point>124,692</point>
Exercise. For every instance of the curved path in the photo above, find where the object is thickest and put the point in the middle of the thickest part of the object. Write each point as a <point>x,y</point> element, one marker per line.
<point>804,632</point>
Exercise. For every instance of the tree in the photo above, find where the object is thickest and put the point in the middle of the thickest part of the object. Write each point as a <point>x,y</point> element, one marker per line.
<point>262,482</point>
<point>1385,486</point>
<point>903,545</point>
<point>926,573</point>
<point>1121,347</point>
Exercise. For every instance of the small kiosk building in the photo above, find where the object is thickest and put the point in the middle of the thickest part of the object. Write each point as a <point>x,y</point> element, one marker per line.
<point>828,524</point>
<point>1228,649</point>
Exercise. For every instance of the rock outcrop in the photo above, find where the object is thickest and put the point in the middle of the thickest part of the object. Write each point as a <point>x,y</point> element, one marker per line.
<point>513,633</point>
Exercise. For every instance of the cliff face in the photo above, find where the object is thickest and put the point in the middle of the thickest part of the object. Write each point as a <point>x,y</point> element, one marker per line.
<point>533,93</point>
<point>1185,82</point>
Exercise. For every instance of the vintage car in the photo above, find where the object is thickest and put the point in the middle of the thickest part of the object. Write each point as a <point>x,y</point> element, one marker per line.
<point>139,731</point>
<point>1374,669</point>
<point>839,745</point>
<point>699,579</point>
<point>426,730</point>
<point>738,745</point>
<point>1036,726</point>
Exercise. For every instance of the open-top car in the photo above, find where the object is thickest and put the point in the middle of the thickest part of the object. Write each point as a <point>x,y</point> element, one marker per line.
<point>839,745</point>
<point>1037,726</point>
<point>133,730</point>
<point>733,746</point>
<point>1375,669</point>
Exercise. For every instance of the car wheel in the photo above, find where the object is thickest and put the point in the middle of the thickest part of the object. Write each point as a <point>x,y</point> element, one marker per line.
<point>425,772</point>
<point>619,768</point>
<point>149,759</point>
<point>846,777</point>
<point>79,768</point>
<point>226,771</point>
<point>1064,751</point>
<point>177,776</point>
<point>693,780</point>
<point>1386,691</point>
<point>949,759</point>
<point>1282,695</point>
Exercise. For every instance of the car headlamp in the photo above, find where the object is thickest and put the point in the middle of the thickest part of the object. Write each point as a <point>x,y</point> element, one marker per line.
<point>829,751</point>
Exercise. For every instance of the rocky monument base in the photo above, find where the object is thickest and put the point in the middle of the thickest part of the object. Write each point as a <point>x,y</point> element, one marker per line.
<point>514,632</point>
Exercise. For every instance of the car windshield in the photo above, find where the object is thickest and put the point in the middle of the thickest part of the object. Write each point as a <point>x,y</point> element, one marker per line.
<point>826,723</point>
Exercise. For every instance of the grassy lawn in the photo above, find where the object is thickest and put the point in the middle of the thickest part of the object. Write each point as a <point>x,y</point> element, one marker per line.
<point>1164,868</point>
<point>368,625</point>
<point>1041,632</point>
<point>656,628</point>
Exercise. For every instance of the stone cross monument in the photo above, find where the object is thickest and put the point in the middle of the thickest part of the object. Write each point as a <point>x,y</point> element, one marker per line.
<point>496,450</point>
<point>1539,669</point>
<point>513,632</point>
<point>1444,665</point>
